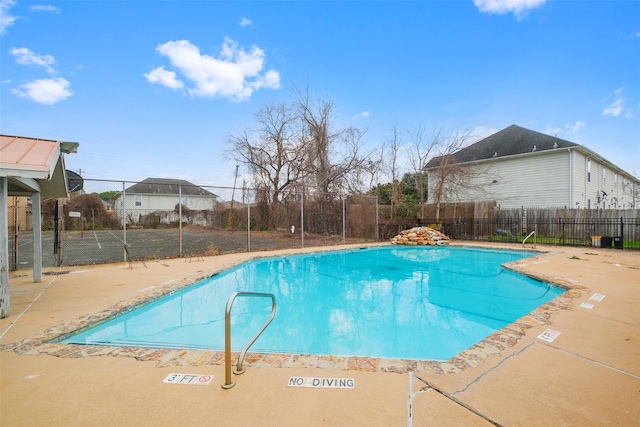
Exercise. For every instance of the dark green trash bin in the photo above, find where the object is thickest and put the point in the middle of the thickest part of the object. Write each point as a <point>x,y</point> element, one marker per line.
<point>606,241</point>
<point>617,242</point>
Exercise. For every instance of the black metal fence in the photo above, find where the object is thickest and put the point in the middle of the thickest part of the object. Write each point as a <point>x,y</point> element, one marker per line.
<point>620,233</point>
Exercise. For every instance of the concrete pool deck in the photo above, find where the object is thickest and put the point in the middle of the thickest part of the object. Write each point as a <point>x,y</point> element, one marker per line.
<point>588,375</point>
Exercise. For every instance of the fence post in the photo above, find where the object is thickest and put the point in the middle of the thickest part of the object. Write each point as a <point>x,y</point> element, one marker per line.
<point>179,220</point>
<point>621,233</point>
<point>60,225</point>
<point>344,219</point>
<point>302,218</point>
<point>124,222</point>
<point>377,221</point>
<point>248,222</point>
<point>16,234</point>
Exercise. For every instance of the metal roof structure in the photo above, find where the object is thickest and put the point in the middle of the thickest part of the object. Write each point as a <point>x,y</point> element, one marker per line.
<point>29,167</point>
<point>29,161</point>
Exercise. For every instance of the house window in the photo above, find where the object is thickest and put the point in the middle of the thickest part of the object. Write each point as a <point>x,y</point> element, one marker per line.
<point>138,200</point>
<point>588,170</point>
<point>604,177</point>
<point>615,180</point>
<point>588,203</point>
<point>185,201</point>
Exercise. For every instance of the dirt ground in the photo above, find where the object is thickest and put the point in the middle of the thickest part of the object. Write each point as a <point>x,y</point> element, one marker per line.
<point>91,247</point>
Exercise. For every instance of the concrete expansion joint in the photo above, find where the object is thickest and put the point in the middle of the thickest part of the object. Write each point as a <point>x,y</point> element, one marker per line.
<point>457,401</point>
<point>493,369</point>
<point>8,328</point>
<point>613,319</point>
<point>410,401</point>
<point>595,362</point>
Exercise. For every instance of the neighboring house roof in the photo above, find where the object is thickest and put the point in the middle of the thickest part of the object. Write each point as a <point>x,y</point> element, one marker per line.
<point>510,141</point>
<point>23,159</point>
<point>236,205</point>
<point>164,186</point>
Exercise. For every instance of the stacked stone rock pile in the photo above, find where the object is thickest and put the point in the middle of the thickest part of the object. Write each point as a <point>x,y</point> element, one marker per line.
<point>420,236</point>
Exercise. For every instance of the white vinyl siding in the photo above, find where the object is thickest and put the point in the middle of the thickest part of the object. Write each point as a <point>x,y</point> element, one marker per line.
<point>169,202</point>
<point>533,180</point>
<point>579,180</point>
<point>558,178</point>
<point>147,203</point>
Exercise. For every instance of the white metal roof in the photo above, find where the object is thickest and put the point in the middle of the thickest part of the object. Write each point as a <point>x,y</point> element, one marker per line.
<point>32,164</point>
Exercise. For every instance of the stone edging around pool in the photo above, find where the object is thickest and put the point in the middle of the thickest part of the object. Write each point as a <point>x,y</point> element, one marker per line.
<point>473,356</point>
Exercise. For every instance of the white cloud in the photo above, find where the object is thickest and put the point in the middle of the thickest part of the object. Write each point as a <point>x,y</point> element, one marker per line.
<point>244,22</point>
<point>236,74</point>
<point>364,115</point>
<point>517,7</point>
<point>45,91</point>
<point>617,106</point>
<point>26,56</point>
<point>568,128</point>
<point>576,126</point>
<point>553,130</point>
<point>45,8</point>
<point>6,19</point>
<point>614,109</point>
<point>164,78</point>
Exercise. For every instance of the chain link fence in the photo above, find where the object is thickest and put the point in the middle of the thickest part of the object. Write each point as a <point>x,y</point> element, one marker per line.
<point>159,218</point>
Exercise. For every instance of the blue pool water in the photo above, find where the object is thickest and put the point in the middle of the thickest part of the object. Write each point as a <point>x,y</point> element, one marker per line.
<point>427,303</point>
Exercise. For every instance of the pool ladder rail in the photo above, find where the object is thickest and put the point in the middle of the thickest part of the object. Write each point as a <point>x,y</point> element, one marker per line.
<point>227,335</point>
<point>534,239</point>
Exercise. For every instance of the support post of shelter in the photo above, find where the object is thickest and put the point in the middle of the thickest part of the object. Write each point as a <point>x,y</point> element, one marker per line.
<point>37,237</point>
<point>4,250</point>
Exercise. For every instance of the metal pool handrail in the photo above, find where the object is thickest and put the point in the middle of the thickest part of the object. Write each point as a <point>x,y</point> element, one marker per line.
<point>530,234</point>
<point>227,335</point>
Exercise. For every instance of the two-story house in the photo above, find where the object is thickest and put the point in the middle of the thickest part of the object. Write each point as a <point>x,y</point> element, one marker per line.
<point>519,167</point>
<point>161,195</point>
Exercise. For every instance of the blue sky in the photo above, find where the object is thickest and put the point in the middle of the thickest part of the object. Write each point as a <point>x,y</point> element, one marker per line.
<point>153,89</point>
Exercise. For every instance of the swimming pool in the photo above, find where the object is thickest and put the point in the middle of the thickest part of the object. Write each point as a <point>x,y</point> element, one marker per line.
<point>427,303</point>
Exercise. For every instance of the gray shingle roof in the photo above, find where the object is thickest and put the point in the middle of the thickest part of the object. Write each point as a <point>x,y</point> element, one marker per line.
<point>507,142</point>
<point>167,186</point>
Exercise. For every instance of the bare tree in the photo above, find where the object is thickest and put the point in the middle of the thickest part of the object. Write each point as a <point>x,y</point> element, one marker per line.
<point>318,136</point>
<point>450,178</point>
<point>273,151</point>
<point>333,156</point>
<point>420,151</point>
<point>361,174</point>
<point>297,147</point>
<point>393,145</point>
